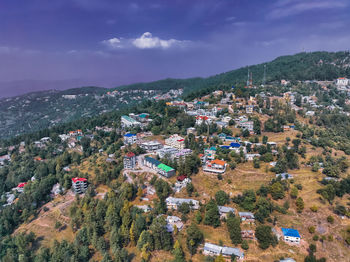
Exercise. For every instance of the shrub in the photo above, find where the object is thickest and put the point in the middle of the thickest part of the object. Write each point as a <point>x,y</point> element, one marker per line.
<point>314,209</point>
<point>311,229</point>
<point>315,238</point>
<point>330,219</point>
<point>245,245</point>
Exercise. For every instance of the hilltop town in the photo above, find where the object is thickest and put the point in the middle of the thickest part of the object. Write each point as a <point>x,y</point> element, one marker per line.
<point>258,173</point>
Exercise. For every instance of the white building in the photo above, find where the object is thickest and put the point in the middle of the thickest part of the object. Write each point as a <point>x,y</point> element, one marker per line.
<point>174,203</point>
<point>249,109</point>
<point>175,141</point>
<point>151,146</point>
<point>342,82</point>
<point>130,139</point>
<point>215,250</point>
<point>291,235</point>
<point>127,121</point>
<point>172,222</point>
<point>223,211</point>
<point>79,184</point>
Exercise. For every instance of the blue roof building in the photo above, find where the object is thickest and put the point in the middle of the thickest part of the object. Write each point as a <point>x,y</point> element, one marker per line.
<point>129,135</point>
<point>235,145</point>
<point>291,235</point>
<point>290,232</point>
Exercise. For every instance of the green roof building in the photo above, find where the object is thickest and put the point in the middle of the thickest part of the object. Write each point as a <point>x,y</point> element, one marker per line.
<point>165,170</point>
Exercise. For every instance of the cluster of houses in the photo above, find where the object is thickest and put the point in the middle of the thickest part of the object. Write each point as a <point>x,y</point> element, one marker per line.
<point>159,167</point>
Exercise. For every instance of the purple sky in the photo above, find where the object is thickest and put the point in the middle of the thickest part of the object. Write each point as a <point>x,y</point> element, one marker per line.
<point>113,42</point>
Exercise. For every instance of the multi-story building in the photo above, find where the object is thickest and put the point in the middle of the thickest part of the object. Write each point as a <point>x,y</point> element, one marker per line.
<point>129,161</point>
<point>161,168</point>
<point>151,146</point>
<point>342,82</point>
<point>249,109</point>
<point>127,121</point>
<point>175,141</point>
<point>79,185</point>
<point>215,166</point>
<point>130,139</point>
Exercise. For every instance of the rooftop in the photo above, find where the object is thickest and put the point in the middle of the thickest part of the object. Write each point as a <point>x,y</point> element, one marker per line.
<point>290,232</point>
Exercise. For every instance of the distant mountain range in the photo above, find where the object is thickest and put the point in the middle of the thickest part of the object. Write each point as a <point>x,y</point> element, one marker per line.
<point>38,110</point>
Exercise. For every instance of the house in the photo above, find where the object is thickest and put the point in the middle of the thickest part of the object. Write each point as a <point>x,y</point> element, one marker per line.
<point>215,166</point>
<point>342,82</point>
<point>183,153</point>
<point>127,122</point>
<point>129,139</point>
<point>129,161</point>
<point>210,153</point>
<point>223,211</point>
<point>284,82</point>
<point>201,119</point>
<point>287,260</point>
<point>175,141</point>
<point>173,221</point>
<point>151,146</point>
<point>161,168</point>
<point>248,234</point>
<point>273,145</point>
<point>221,124</point>
<point>79,184</point>
<point>247,217</point>
<point>191,130</point>
<point>235,145</point>
<point>174,203</point>
<point>203,158</point>
<point>4,159</point>
<point>167,152</point>
<point>310,113</point>
<point>10,198</point>
<point>180,184</point>
<point>151,162</point>
<point>247,125</point>
<point>250,157</point>
<point>144,208</point>
<point>56,190</point>
<point>286,128</point>
<point>284,176</point>
<point>291,235</point>
<point>165,170</point>
<point>215,250</point>
<point>20,187</point>
<point>249,109</point>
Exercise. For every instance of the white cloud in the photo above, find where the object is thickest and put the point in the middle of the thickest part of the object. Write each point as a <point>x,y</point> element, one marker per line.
<point>113,43</point>
<point>148,41</point>
<point>145,41</point>
<point>285,8</point>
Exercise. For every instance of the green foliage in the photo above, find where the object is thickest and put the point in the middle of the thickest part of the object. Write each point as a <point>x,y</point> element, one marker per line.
<point>221,197</point>
<point>212,216</point>
<point>194,238</point>
<point>265,237</point>
<point>234,228</point>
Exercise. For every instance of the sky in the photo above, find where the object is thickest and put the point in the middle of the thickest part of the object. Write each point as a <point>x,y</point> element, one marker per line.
<point>114,42</point>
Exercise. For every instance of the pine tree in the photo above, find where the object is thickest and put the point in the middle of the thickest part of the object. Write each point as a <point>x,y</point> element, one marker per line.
<point>178,253</point>
<point>234,229</point>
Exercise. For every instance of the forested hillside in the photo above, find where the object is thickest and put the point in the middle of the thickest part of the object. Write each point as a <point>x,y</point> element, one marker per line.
<point>35,111</point>
<point>302,66</point>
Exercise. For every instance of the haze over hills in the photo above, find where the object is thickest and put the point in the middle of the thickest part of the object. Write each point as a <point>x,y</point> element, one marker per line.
<point>34,111</point>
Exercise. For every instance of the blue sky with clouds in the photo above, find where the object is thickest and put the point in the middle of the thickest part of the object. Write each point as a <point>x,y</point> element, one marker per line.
<point>112,42</point>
